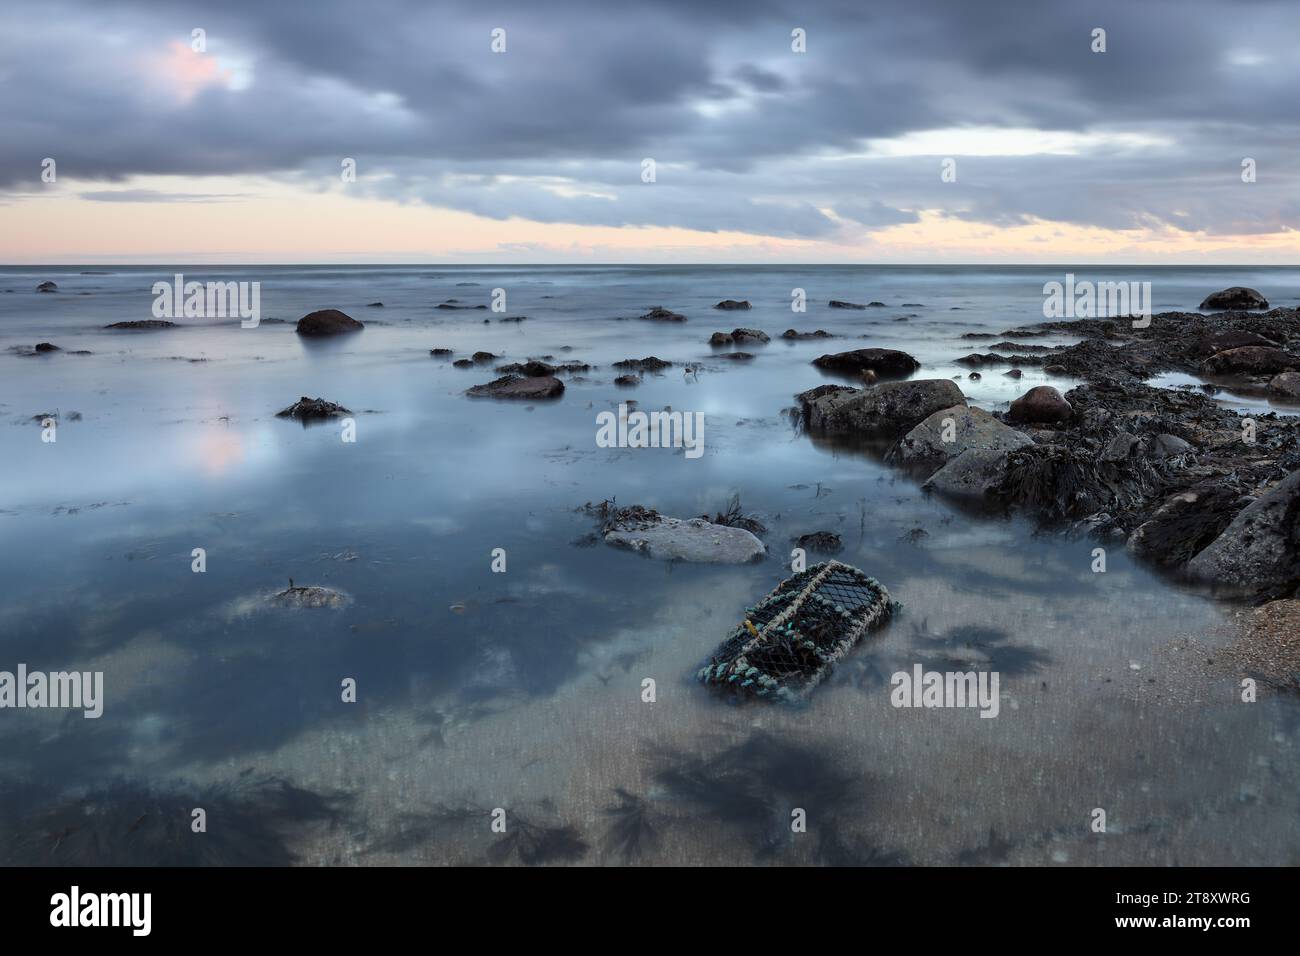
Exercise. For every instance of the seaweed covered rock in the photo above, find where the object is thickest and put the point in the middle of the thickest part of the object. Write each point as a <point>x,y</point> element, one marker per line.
<point>312,409</point>
<point>1250,360</point>
<point>1237,297</point>
<point>1186,523</point>
<point>887,410</point>
<point>973,474</point>
<point>1260,550</point>
<point>950,431</point>
<point>884,362</point>
<point>327,322</point>
<point>698,540</point>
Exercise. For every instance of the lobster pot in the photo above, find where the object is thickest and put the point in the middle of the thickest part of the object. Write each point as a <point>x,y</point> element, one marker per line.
<point>790,640</point>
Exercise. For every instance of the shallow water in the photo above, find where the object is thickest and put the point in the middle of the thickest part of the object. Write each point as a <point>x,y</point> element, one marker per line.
<point>522,690</point>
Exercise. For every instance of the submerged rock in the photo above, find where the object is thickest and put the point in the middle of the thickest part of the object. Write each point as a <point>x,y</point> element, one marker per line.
<point>531,369</point>
<point>48,286</point>
<point>950,431</point>
<point>143,325</point>
<point>42,347</point>
<point>749,335</point>
<point>796,334</point>
<point>673,539</point>
<point>838,304</point>
<point>1042,404</point>
<point>310,409</point>
<point>822,542</point>
<point>310,596</point>
<point>648,364</point>
<point>1238,297</point>
<point>519,387</point>
<point>327,322</point>
<point>660,314</point>
<point>732,305</point>
<point>884,362</point>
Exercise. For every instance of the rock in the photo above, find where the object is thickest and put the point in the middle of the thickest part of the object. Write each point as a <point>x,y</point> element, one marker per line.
<point>1222,340</point>
<point>309,409</point>
<point>885,411</point>
<point>822,542</point>
<point>976,360</point>
<point>884,362</point>
<point>738,356</point>
<point>375,305</point>
<point>46,347</point>
<point>463,363</point>
<point>876,305</point>
<point>648,364</point>
<point>975,376</point>
<point>451,304</point>
<point>1055,370</point>
<point>1042,404</point>
<point>1166,446</point>
<point>1238,297</point>
<point>143,325</point>
<point>519,387</point>
<point>310,596</point>
<point>964,428</point>
<point>513,318</point>
<point>1260,550</point>
<point>837,304</point>
<point>1014,373</point>
<point>627,381</point>
<point>660,314</point>
<point>795,334</point>
<point>673,539</point>
<point>720,338</point>
<point>327,322</point>
<point>731,305</point>
<point>441,353</point>
<point>1185,524</point>
<point>1250,360</point>
<point>1286,384</point>
<point>972,474</point>
<point>531,368</point>
<point>484,357</point>
<point>749,335</point>
<point>47,287</point>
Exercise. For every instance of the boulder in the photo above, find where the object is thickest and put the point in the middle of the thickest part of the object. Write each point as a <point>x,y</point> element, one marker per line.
<point>1260,550</point>
<point>972,474</point>
<point>309,596</point>
<point>796,334</point>
<point>732,305</point>
<point>1287,384</point>
<point>484,357</point>
<point>950,431</point>
<point>1224,339</point>
<point>1238,297</point>
<point>1042,404</point>
<point>884,362</point>
<point>531,368</point>
<point>660,314</point>
<point>311,409</point>
<point>673,539</point>
<point>884,411</point>
<point>441,353</point>
<point>519,388</point>
<point>627,381</point>
<point>720,338</point>
<point>749,335</point>
<point>738,356</point>
<point>327,322</point>
<point>47,286</point>
<point>1250,360</point>
<point>47,347</point>
<point>1185,523</point>
<point>837,304</point>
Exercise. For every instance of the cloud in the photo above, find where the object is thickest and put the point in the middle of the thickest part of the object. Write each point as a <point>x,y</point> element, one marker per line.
<point>748,135</point>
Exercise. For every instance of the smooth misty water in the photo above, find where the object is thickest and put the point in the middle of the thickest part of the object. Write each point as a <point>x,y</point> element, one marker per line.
<point>530,697</point>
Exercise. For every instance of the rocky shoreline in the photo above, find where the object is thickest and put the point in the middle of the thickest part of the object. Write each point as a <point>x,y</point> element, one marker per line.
<point>1199,490</point>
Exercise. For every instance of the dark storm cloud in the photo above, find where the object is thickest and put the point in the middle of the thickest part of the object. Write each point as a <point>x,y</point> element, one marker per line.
<point>747,135</point>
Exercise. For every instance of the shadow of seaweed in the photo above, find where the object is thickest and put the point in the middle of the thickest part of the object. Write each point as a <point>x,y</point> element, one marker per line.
<point>532,839</point>
<point>633,829</point>
<point>251,822</point>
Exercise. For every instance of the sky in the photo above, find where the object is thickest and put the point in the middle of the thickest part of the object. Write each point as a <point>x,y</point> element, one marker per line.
<point>659,131</point>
